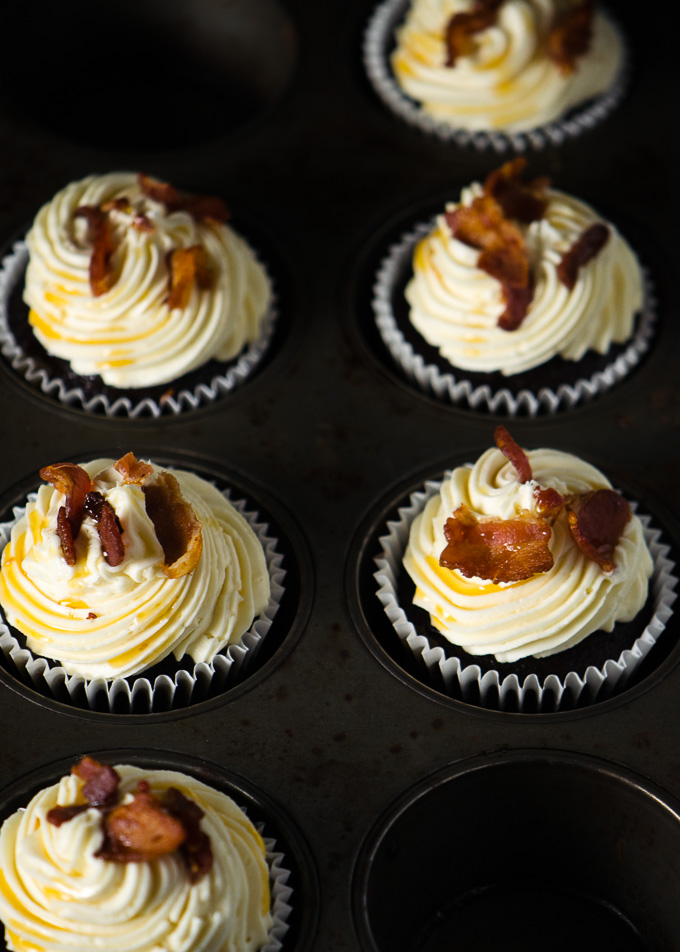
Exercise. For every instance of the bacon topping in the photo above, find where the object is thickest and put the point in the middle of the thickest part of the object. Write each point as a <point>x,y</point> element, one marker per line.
<point>585,248</point>
<point>185,266</point>
<point>463,26</point>
<point>65,534</point>
<point>549,503</point>
<point>523,201</point>
<point>141,830</point>
<point>132,470</point>
<point>200,207</point>
<point>73,481</point>
<point>504,550</point>
<point>58,815</point>
<point>570,36</point>
<point>597,520</point>
<point>177,528</point>
<point>102,277</point>
<point>195,849</point>
<point>108,527</point>
<point>512,451</point>
<point>101,781</point>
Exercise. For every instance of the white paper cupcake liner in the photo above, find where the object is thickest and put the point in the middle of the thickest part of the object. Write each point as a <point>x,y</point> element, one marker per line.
<point>453,387</point>
<point>137,694</point>
<point>378,44</point>
<point>12,270</point>
<point>491,689</point>
<point>281,892</point>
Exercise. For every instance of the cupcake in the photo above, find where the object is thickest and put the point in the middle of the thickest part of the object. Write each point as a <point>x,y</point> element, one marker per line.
<point>529,574</point>
<point>120,857</point>
<point>136,294</point>
<point>501,72</point>
<point>517,298</point>
<point>119,567</point>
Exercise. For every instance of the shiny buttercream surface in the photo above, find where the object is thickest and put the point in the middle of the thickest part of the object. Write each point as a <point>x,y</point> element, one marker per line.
<point>107,621</point>
<point>548,612</point>
<point>456,306</point>
<point>506,81</point>
<point>55,894</point>
<point>129,335</point>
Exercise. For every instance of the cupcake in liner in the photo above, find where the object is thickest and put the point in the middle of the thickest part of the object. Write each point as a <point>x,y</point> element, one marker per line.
<point>129,298</point>
<point>181,664</point>
<point>584,671</point>
<point>405,49</point>
<point>440,314</point>
<point>224,888</point>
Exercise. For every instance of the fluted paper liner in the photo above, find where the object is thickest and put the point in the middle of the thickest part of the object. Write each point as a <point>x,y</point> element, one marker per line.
<point>466,681</point>
<point>281,893</point>
<point>378,43</point>
<point>137,694</point>
<point>12,270</point>
<point>454,387</point>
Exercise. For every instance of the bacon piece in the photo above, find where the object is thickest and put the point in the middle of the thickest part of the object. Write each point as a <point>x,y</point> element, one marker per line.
<point>186,265</point>
<point>463,26</point>
<point>102,277</point>
<point>549,503</point>
<point>58,815</point>
<point>517,301</point>
<point>108,526</point>
<point>596,520</point>
<point>132,470</point>
<point>512,451</point>
<point>196,849</point>
<point>523,201</point>
<point>504,550</point>
<point>121,204</point>
<point>141,222</point>
<point>584,249</point>
<point>65,534</point>
<point>200,207</point>
<point>177,528</point>
<point>101,781</point>
<point>570,36</point>
<point>141,830</point>
<point>73,481</point>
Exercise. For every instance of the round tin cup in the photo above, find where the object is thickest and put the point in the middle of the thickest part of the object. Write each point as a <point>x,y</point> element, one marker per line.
<point>293,878</point>
<point>171,686</point>
<point>522,850</point>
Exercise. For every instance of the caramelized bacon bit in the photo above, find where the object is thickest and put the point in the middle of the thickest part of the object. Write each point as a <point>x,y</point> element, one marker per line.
<point>102,277</point>
<point>132,470</point>
<point>101,781</point>
<point>177,528</point>
<point>196,850</point>
<point>142,223</point>
<point>523,201</point>
<point>549,503</point>
<point>512,451</point>
<point>73,481</point>
<point>200,207</point>
<point>65,534</point>
<point>186,265</point>
<point>570,36</point>
<point>108,527</point>
<point>505,550</point>
<point>596,520</point>
<point>584,249</point>
<point>463,26</point>
<point>58,815</point>
<point>91,615</point>
<point>517,301</point>
<point>141,830</point>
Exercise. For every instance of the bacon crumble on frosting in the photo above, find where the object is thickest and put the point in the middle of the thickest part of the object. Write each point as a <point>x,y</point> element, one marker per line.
<point>102,277</point>
<point>585,248</point>
<point>596,520</point>
<point>200,207</point>
<point>463,26</point>
<point>187,266</point>
<point>571,36</point>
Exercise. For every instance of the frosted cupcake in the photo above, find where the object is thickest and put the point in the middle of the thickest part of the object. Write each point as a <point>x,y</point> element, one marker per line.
<point>137,292</point>
<point>517,296</point>
<point>535,574</point>
<point>119,857</point>
<point>500,72</point>
<point>118,566</point>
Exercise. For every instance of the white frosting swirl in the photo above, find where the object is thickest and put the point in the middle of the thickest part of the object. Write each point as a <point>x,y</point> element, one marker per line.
<point>455,305</point>
<point>141,615</point>
<point>507,81</point>
<point>547,612</point>
<point>129,335</point>
<point>55,894</point>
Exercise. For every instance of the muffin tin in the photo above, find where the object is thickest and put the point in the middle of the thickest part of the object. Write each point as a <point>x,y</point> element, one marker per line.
<point>420,818</point>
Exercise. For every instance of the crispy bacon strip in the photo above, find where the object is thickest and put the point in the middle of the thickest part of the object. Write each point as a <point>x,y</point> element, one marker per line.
<point>101,781</point>
<point>585,248</point>
<point>549,503</point>
<point>200,207</point>
<point>505,550</point>
<point>141,830</point>
<point>65,534</point>
<point>108,526</point>
<point>523,201</point>
<point>463,26</point>
<point>512,451</point>
<point>132,470</point>
<point>102,277</point>
<point>177,528</point>
<point>196,850</point>
<point>571,36</point>
<point>597,520</point>
<point>58,815</point>
<point>73,481</point>
<point>186,266</point>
